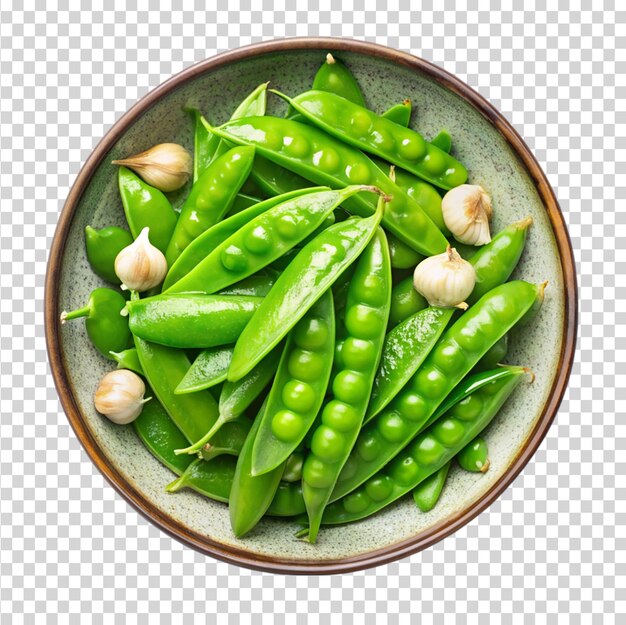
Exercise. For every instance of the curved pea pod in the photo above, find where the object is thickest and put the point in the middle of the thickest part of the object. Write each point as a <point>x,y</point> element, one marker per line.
<point>495,261</point>
<point>406,347</point>
<point>316,156</point>
<point>367,312</point>
<point>427,493</point>
<point>102,248</point>
<point>128,359</point>
<point>399,113</point>
<point>460,347</point>
<point>228,441</point>
<point>210,198</point>
<point>146,207</point>
<point>318,265</point>
<point>191,320</point>
<point>106,327</point>
<point>237,396</point>
<point>164,368</point>
<point>203,245</point>
<point>299,387</point>
<point>334,77</point>
<point>405,301</point>
<point>208,369</point>
<point>363,129</point>
<point>261,241</point>
<point>430,451</point>
<point>402,255</point>
<point>474,456</point>
<point>274,179</point>
<point>204,144</point>
<point>443,141</point>
<point>495,355</point>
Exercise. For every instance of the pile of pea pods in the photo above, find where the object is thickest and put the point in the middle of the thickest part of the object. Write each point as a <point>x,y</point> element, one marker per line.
<point>294,369</point>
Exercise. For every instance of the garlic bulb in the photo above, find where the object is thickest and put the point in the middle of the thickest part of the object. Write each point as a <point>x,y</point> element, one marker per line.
<point>445,280</point>
<point>140,265</point>
<point>119,396</point>
<point>466,213</point>
<point>166,166</point>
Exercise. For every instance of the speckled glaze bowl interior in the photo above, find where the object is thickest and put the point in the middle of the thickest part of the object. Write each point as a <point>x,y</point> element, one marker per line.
<point>496,158</point>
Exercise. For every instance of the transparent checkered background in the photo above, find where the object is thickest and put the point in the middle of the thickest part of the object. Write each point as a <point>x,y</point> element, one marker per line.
<point>552,549</point>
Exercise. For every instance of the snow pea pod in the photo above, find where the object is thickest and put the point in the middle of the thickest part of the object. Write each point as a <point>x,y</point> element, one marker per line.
<point>107,329</point>
<point>334,77</point>
<point>363,129</point>
<point>191,320</point>
<point>399,113</point>
<point>261,241</point>
<point>208,369</point>
<point>457,351</point>
<point>406,347</point>
<point>312,153</point>
<point>203,245</point>
<point>204,144</point>
<point>210,198</point>
<point>299,387</point>
<point>474,456</point>
<point>366,314</point>
<point>430,451</point>
<point>405,301</point>
<point>318,265</point>
<point>145,206</point>
<point>103,246</point>
<point>128,359</point>
<point>426,495</point>
<point>443,141</point>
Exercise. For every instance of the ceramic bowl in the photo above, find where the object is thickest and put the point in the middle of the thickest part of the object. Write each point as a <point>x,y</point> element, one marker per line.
<point>496,157</point>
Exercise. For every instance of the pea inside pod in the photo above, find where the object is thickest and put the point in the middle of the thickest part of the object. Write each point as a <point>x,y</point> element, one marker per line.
<point>474,457</point>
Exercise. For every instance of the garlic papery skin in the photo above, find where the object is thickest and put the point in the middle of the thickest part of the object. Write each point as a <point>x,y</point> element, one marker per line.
<point>466,212</point>
<point>141,266</point>
<point>119,396</point>
<point>445,280</point>
<point>166,166</point>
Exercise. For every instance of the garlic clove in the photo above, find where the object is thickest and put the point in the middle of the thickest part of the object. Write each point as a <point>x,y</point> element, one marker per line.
<point>466,212</point>
<point>141,266</point>
<point>166,166</point>
<point>445,280</point>
<point>120,396</point>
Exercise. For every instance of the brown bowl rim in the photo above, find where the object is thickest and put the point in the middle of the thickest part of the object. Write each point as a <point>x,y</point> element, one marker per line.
<point>407,547</point>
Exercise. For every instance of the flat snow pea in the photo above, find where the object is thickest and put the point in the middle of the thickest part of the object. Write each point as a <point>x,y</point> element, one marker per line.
<point>210,198</point>
<point>427,493</point>
<point>363,129</point>
<point>128,359</point>
<point>430,451</point>
<point>457,351</point>
<point>261,241</point>
<point>334,77</point>
<point>203,245</point>
<point>315,155</point>
<point>474,456</point>
<point>208,369</point>
<point>443,141</point>
<point>103,246</point>
<point>299,387</point>
<point>405,301</point>
<point>318,265</point>
<point>191,320</point>
<point>366,315</point>
<point>145,206</point>
<point>400,113</point>
<point>106,327</point>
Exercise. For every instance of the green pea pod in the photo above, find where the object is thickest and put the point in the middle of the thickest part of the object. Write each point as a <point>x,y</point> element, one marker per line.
<point>474,456</point>
<point>237,396</point>
<point>311,153</point>
<point>299,387</point>
<point>363,129</point>
<point>367,312</point>
<point>334,77</point>
<point>427,493</point>
<point>103,246</point>
<point>406,347</point>
<point>288,500</point>
<point>402,256</point>
<point>405,301</point>
<point>443,141</point>
<point>228,441</point>
<point>210,198</point>
<point>275,180</point>
<point>495,262</point>
<point>457,351</point>
<point>203,245</point>
<point>164,368</point>
<point>128,359</point>
<point>318,265</point>
<point>430,451</point>
<point>495,356</point>
<point>106,327</point>
<point>191,320</point>
<point>146,207</point>
<point>205,144</point>
<point>251,496</point>
<point>261,241</point>
<point>208,369</point>
<point>400,113</point>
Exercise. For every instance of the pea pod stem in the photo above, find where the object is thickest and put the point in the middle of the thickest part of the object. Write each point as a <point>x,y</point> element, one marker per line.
<point>75,314</point>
